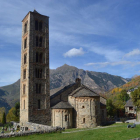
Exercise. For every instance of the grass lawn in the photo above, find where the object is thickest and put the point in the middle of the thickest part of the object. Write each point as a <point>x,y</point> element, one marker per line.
<point>118,132</point>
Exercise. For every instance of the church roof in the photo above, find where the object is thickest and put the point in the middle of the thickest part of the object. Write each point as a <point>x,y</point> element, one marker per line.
<point>61,90</point>
<point>84,91</point>
<point>129,103</point>
<point>62,105</point>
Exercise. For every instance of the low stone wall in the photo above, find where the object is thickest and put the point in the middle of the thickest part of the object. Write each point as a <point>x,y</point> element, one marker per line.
<point>26,133</point>
<point>36,127</point>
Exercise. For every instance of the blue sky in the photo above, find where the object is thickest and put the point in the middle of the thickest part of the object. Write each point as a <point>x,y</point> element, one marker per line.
<point>99,35</point>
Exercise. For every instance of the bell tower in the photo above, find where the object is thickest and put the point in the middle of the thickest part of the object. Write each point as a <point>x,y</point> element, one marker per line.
<point>34,83</point>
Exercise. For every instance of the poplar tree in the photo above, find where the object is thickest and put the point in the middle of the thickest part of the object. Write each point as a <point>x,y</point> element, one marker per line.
<point>4,118</point>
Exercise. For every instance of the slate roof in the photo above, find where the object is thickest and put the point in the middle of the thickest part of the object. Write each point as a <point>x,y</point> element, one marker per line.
<point>60,91</point>
<point>129,103</point>
<point>84,91</point>
<point>62,105</point>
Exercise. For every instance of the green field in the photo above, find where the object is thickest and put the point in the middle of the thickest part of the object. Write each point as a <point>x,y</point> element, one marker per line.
<point>118,132</point>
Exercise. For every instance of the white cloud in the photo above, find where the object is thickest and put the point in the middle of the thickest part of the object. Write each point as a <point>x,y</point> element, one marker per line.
<point>104,64</point>
<point>74,52</point>
<point>133,53</point>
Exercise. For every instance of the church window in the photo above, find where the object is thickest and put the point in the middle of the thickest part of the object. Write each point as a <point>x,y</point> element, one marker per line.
<point>38,73</point>
<point>24,89</point>
<point>40,42</point>
<point>40,26</point>
<point>25,43</point>
<point>24,74</point>
<point>40,57</point>
<point>25,58</point>
<point>36,56</point>
<point>36,88</point>
<point>39,88</point>
<point>24,104</point>
<point>36,24</point>
<point>36,41</point>
<point>83,106</point>
<point>83,120</point>
<point>38,104</point>
<point>66,118</point>
<point>25,28</point>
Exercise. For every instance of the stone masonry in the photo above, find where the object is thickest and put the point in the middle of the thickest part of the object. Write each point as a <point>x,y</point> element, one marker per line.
<point>34,86</point>
<point>74,105</point>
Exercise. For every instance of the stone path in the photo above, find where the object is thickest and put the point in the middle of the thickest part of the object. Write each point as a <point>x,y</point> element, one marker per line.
<point>91,129</point>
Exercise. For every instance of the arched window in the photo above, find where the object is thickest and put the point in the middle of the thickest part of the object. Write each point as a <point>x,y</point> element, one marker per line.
<point>36,56</point>
<point>24,74</point>
<point>25,58</point>
<point>25,43</point>
<point>24,104</point>
<point>36,41</point>
<point>83,120</point>
<point>36,24</point>
<point>83,106</point>
<point>41,58</point>
<point>40,42</point>
<point>25,28</point>
<point>24,89</point>
<point>39,88</point>
<point>36,88</point>
<point>66,118</point>
<point>38,104</point>
<point>38,73</point>
<point>40,26</point>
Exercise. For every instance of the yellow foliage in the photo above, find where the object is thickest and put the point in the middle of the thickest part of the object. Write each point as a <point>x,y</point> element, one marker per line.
<point>10,116</point>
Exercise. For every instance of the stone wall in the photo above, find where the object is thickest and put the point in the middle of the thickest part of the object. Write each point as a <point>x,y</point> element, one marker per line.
<point>32,112</point>
<point>62,118</point>
<point>45,129</point>
<point>24,97</point>
<point>86,111</point>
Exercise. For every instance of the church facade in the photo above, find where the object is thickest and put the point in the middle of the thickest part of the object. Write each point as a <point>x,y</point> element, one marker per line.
<point>77,106</point>
<point>73,106</point>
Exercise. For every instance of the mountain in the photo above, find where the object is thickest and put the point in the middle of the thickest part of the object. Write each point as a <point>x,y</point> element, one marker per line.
<point>62,76</point>
<point>135,82</point>
<point>100,82</point>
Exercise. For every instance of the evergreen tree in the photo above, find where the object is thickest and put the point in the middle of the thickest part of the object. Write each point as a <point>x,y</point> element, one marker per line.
<point>4,118</point>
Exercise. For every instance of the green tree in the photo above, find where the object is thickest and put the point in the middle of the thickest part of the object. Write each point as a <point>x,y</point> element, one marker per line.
<point>14,113</point>
<point>136,97</point>
<point>2,110</point>
<point>11,116</point>
<point>4,118</point>
<point>123,96</point>
<point>17,110</point>
<point>110,108</point>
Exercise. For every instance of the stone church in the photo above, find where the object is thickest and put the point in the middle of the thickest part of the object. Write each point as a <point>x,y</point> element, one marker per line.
<point>75,105</point>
